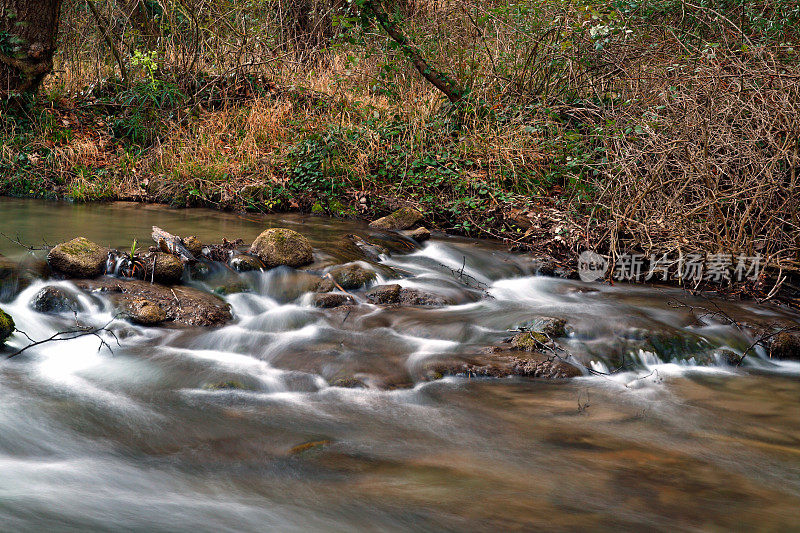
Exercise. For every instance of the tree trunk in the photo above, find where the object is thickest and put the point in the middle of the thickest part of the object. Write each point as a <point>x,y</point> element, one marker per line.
<point>28,31</point>
<point>437,78</point>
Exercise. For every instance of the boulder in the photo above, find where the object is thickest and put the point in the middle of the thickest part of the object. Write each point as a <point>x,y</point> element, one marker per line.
<point>353,276</point>
<point>184,306</point>
<point>396,295</point>
<point>403,218</point>
<point>281,246</point>
<point>785,345</point>
<point>79,258</point>
<point>144,312</point>
<point>245,263</point>
<point>420,234</point>
<point>385,294</point>
<point>163,268</point>
<point>332,299</point>
<point>54,300</point>
<point>6,326</point>
<point>193,244</point>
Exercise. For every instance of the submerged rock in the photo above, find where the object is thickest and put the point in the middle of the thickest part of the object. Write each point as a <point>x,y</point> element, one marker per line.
<point>550,327</point>
<point>245,263</point>
<point>348,382</point>
<point>332,299</point>
<point>403,218</point>
<point>785,345</point>
<point>281,246</point>
<point>353,276</point>
<point>163,267</point>
<point>667,344</point>
<point>370,251</point>
<point>420,234</point>
<point>184,306</point>
<point>385,294</point>
<point>286,284</point>
<point>528,340</point>
<point>396,295</point>
<point>144,312</point>
<point>234,286</point>
<point>226,385</point>
<point>7,326</point>
<point>54,300</point>
<point>79,258</point>
<point>500,363</point>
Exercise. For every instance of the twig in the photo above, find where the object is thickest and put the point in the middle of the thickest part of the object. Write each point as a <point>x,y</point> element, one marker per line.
<point>79,331</point>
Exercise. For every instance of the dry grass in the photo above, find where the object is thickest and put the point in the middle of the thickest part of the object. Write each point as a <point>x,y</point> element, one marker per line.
<point>663,136</point>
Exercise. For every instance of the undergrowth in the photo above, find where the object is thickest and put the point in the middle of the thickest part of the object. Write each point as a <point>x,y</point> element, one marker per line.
<point>651,125</point>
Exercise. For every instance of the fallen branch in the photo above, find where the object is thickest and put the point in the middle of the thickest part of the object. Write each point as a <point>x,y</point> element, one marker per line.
<point>79,331</point>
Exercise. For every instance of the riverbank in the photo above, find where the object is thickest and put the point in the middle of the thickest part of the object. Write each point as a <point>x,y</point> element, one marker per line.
<point>663,132</point>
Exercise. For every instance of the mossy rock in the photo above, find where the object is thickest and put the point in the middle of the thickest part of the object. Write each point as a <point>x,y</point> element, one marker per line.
<point>785,345</point>
<point>338,209</point>
<point>282,246</point>
<point>79,258</point>
<point>353,276</point>
<point>403,218</point>
<point>7,326</point>
<point>193,244</point>
<point>528,340</point>
<point>144,312</point>
<point>163,268</point>
<point>245,263</point>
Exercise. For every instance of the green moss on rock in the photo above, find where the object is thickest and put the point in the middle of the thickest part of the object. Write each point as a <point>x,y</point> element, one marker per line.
<point>6,326</point>
<point>282,246</point>
<point>403,218</point>
<point>163,268</point>
<point>79,258</point>
<point>528,340</point>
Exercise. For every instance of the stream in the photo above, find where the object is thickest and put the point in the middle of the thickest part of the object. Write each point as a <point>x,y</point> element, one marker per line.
<point>134,438</point>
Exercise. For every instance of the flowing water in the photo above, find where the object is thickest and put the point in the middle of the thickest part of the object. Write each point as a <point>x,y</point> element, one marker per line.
<point>135,440</point>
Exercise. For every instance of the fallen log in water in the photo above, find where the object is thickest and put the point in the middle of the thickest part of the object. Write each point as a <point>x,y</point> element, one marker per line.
<point>171,244</point>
